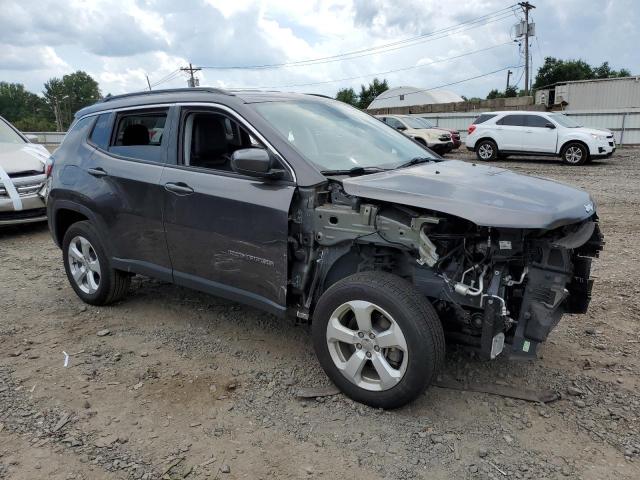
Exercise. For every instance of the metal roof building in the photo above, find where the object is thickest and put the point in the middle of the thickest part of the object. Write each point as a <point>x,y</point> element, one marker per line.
<point>409,96</point>
<point>601,94</point>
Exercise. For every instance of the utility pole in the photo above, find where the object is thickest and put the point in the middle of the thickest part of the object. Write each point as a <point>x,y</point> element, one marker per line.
<point>526,6</point>
<point>509,72</point>
<point>193,81</point>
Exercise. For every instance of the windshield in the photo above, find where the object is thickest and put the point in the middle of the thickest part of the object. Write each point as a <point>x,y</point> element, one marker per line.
<point>415,122</point>
<point>8,134</point>
<point>563,120</point>
<point>335,136</point>
<point>427,123</point>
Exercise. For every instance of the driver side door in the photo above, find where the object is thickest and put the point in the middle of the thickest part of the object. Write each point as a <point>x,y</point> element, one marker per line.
<point>226,232</point>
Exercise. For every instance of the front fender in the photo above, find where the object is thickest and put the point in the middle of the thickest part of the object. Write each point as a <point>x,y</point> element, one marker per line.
<point>587,139</point>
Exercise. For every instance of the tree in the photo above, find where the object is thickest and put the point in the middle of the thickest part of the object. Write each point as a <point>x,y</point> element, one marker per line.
<point>512,91</point>
<point>367,94</point>
<point>495,93</point>
<point>604,71</point>
<point>71,93</point>
<point>26,110</point>
<point>347,95</point>
<point>555,70</point>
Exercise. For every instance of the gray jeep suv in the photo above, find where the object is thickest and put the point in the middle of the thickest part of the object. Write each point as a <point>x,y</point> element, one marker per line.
<point>302,205</point>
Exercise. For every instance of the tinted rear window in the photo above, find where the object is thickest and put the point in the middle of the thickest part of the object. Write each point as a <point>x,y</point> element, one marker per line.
<point>483,118</point>
<point>139,135</point>
<point>537,121</point>
<point>513,120</point>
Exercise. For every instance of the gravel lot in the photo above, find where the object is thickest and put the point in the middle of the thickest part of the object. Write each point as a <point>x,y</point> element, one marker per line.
<point>171,383</point>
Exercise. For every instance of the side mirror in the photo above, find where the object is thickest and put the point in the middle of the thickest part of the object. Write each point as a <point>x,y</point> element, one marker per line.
<point>402,128</point>
<point>255,162</point>
<point>32,138</point>
<point>550,125</point>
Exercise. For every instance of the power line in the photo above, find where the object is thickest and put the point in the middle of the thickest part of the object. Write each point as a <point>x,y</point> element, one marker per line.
<point>483,20</point>
<point>389,71</point>
<point>455,83</point>
<point>166,78</point>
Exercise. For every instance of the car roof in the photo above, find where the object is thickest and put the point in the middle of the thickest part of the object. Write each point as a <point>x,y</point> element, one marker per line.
<point>198,94</point>
<point>515,112</point>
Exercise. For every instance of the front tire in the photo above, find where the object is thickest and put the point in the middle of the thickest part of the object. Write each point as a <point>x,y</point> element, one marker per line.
<point>574,154</point>
<point>88,268</point>
<point>378,339</point>
<point>487,151</point>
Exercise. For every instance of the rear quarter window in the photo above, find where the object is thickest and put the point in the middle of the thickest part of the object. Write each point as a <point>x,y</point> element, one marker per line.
<point>483,118</point>
<point>101,132</point>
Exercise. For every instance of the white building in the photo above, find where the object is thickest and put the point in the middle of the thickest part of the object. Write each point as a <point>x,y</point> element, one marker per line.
<point>601,94</point>
<point>410,96</point>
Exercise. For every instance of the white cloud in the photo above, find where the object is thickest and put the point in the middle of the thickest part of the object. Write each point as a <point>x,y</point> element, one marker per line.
<point>120,42</point>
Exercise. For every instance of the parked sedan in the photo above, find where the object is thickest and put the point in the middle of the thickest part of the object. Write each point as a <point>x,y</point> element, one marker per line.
<point>22,177</point>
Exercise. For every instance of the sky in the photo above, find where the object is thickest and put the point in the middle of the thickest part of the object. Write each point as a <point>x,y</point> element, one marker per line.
<point>120,43</point>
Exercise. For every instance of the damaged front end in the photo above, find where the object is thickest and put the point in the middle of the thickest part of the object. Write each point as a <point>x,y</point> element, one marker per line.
<point>496,289</point>
<point>509,288</point>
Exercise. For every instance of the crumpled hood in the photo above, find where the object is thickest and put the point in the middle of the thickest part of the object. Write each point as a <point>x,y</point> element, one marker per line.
<point>487,196</point>
<point>23,157</point>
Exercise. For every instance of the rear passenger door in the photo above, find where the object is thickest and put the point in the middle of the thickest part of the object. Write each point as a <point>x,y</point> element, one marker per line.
<point>131,150</point>
<point>538,136</point>
<point>509,132</point>
<point>226,233</point>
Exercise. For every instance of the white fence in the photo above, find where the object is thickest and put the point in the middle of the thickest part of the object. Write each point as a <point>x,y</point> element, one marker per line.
<point>624,123</point>
<point>48,138</point>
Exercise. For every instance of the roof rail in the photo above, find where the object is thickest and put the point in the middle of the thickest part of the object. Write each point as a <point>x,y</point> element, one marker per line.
<point>167,90</point>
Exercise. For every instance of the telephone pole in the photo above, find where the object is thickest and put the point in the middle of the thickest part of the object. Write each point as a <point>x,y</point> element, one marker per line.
<point>509,72</point>
<point>526,6</point>
<point>193,81</point>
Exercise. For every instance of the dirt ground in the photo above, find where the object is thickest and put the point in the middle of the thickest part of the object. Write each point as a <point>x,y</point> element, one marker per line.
<point>183,385</point>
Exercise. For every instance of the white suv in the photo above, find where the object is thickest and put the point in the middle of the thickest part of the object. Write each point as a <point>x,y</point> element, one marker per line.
<point>498,134</point>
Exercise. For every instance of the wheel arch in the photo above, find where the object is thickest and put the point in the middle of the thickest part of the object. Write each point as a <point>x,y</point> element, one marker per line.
<point>574,140</point>
<point>66,214</point>
<point>481,139</point>
<point>355,259</point>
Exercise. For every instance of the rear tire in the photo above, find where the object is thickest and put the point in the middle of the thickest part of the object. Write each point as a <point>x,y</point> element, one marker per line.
<point>575,154</point>
<point>378,339</point>
<point>487,151</point>
<point>88,268</point>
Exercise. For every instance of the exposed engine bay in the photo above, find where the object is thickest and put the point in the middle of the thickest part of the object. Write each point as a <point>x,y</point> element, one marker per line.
<point>495,289</point>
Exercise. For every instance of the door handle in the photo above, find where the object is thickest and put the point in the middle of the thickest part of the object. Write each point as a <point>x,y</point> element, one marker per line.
<point>529,131</point>
<point>97,172</point>
<point>178,188</point>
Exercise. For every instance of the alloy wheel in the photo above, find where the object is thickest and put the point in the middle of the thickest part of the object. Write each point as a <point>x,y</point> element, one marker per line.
<point>367,345</point>
<point>84,265</point>
<point>573,154</point>
<point>485,151</point>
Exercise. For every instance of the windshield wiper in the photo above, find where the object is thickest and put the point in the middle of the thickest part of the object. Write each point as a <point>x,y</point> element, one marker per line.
<point>415,161</point>
<point>353,171</point>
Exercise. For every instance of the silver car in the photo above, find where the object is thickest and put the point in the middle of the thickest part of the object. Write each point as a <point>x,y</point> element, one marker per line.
<point>22,177</point>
